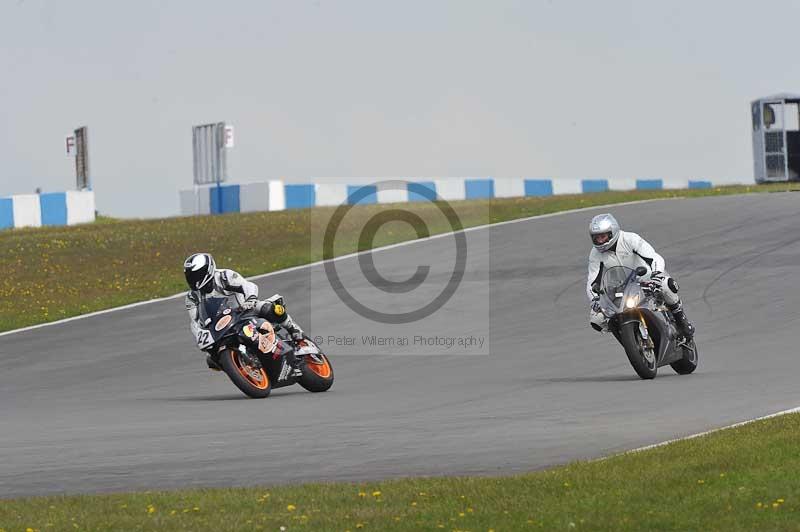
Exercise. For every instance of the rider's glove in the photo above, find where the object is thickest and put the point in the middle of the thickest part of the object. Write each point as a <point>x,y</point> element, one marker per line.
<point>656,276</point>
<point>596,303</point>
<point>250,303</point>
<point>297,336</point>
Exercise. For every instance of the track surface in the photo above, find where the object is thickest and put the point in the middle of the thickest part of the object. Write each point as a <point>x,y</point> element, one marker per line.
<point>122,401</point>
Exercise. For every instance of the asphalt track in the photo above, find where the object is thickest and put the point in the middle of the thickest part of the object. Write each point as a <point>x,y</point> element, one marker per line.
<point>122,401</point>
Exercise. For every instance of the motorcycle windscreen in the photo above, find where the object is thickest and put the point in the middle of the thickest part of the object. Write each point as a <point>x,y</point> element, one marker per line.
<point>216,313</point>
<point>614,283</point>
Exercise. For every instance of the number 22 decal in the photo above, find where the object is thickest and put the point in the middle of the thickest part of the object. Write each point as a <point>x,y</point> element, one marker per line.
<point>204,339</point>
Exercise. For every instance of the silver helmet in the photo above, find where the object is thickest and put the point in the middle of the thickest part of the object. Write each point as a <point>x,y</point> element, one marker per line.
<point>604,231</point>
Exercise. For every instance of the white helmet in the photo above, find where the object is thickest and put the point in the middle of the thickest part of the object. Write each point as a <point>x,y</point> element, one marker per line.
<point>199,270</point>
<point>604,231</point>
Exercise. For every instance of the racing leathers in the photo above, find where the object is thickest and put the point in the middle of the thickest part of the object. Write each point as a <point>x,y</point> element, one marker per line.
<point>632,251</point>
<point>230,283</point>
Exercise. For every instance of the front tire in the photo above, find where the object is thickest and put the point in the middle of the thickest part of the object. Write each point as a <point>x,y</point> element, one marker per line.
<point>634,346</point>
<point>316,377</point>
<point>254,382</point>
<point>689,362</point>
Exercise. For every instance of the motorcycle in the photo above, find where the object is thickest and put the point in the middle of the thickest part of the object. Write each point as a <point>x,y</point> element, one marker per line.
<point>256,357</point>
<point>640,321</point>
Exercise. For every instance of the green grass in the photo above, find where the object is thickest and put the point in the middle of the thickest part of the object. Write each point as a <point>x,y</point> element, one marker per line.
<point>738,479</point>
<point>58,272</point>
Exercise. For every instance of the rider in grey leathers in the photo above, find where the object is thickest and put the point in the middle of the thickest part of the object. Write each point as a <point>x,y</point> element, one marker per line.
<point>205,279</point>
<point>613,247</point>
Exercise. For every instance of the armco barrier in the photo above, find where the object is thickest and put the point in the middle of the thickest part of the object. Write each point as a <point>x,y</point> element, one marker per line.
<point>277,195</point>
<point>51,208</point>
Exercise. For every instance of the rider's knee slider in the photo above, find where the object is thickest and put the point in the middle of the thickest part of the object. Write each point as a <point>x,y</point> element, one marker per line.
<point>273,312</point>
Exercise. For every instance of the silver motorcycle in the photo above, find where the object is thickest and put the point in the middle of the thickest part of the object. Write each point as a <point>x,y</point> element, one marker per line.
<point>640,321</point>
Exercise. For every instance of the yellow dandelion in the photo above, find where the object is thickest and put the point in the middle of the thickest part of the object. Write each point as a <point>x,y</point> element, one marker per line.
<point>173,512</point>
<point>461,514</point>
<point>469,510</point>
<point>28,529</point>
<point>291,507</point>
<point>376,493</point>
<point>781,501</point>
<point>758,505</point>
<point>196,509</point>
<point>362,494</point>
<point>151,509</point>
<point>413,503</point>
<point>701,481</point>
<point>359,525</point>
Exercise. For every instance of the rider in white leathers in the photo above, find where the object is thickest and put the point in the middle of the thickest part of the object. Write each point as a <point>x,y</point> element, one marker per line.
<point>613,247</point>
<point>206,280</point>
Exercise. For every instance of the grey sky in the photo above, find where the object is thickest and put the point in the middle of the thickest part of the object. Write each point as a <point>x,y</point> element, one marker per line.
<point>371,88</point>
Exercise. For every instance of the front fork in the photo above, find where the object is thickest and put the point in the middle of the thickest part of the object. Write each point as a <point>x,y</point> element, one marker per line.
<point>644,332</point>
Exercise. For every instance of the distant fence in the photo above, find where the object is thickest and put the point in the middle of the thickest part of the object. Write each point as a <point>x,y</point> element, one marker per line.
<point>51,208</point>
<point>277,195</point>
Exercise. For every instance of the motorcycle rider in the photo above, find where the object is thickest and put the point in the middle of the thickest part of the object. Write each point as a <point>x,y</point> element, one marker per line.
<point>206,280</point>
<point>613,247</point>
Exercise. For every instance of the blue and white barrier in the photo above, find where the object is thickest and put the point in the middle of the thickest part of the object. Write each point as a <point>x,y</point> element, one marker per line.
<point>277,195</point>
<point>51,208</point>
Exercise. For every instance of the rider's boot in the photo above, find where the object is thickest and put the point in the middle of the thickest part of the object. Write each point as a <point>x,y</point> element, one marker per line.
<point>294,330</point>
<point>684,325</point>
<point>296,334</point>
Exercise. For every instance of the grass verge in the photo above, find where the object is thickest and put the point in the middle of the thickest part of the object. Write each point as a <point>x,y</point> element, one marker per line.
<point>58,272</point>
<point>744,478</point>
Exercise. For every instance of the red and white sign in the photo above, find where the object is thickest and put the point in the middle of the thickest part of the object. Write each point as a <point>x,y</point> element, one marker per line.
<point>70,145</point>
<point>228,136</point>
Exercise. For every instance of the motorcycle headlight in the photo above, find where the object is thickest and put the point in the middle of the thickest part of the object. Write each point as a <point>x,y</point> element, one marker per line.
<point>632,301</point>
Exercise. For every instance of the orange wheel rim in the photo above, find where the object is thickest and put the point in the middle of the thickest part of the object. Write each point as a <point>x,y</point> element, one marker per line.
<point>255,376</point>
<point>323,370</point>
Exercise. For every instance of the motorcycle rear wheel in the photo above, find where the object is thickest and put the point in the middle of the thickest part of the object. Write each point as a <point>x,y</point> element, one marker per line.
<point>633,343</point>
<point>689,362</point>
<point>253,382</point>
<point>316,377</point>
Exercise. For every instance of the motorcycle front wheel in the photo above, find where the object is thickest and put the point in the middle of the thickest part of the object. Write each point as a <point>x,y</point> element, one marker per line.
<point>642,359</point>
<point>253,382</point>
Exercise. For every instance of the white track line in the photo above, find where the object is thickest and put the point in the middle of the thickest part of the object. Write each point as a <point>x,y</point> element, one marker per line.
<point>342,257</point>
<point>705,433</point>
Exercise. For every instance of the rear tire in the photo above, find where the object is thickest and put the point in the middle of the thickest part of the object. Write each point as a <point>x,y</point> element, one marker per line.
<point>316,377</point>
<point>632,341</point>
<point>689,362</point>
<point>254,382</point>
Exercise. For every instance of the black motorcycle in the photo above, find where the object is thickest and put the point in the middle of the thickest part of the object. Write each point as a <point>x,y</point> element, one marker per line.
<point>642,324</point>
<point>256,357</point>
